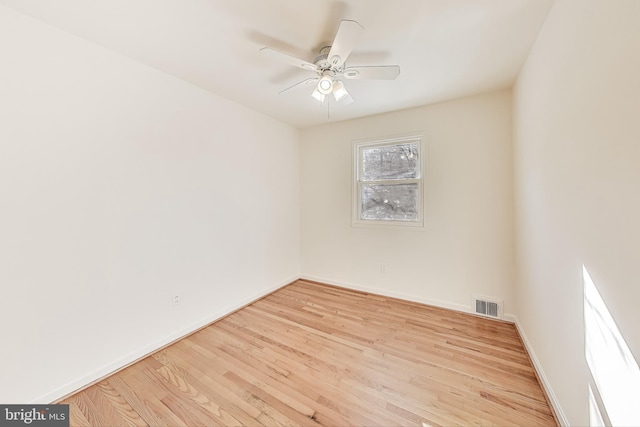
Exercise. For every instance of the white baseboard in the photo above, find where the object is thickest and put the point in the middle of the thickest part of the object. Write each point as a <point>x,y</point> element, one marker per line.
<point>553,399</point>
<point>508,317</point>
<point>428,301</point>
<point>149,349</point>
<point>399,295</point>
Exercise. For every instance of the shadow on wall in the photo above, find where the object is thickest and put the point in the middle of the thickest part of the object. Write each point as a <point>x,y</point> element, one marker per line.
<point>614,395</point>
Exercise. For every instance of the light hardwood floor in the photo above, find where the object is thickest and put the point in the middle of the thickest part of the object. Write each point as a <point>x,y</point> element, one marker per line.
<point>312,354</point>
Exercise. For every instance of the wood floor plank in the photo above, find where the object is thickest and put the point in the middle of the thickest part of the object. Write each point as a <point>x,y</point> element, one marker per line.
<point>113,407</point>
<point>318,355</point>
<point>76,414</point>
<point>216,390</point>
<point>91,413</point>
<point>130,396</point>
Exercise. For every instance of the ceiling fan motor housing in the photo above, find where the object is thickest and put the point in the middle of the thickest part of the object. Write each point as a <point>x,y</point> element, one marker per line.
<point>322,62</point>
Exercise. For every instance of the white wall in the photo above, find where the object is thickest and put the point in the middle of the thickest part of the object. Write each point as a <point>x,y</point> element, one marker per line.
<point>467,244</point>
<point>120,186</point>
<point>577,180</point>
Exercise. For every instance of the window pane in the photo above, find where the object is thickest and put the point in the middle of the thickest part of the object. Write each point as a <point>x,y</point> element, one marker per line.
<point>396,202</point>
<point>398,161</point>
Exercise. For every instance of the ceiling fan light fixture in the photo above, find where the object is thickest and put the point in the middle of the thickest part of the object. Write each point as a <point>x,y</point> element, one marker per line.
<point>330,67</point>
<point>339,91</point>
<point>318,95</point>
<point>325,85</point>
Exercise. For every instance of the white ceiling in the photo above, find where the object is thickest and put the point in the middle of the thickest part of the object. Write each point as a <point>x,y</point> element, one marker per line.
<point>445,48</point>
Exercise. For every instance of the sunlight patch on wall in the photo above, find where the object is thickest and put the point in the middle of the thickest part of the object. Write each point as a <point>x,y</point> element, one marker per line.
<point>595,417</point>
<point>614,370</point>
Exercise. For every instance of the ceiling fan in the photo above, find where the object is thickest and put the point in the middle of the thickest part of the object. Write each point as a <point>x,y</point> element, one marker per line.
<point>330,65</point>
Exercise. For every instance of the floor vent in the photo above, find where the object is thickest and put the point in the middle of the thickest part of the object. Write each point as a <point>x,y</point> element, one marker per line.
<point>487,307</point>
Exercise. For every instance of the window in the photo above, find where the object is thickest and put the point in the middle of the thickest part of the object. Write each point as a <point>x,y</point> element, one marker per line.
<point>388,182</point>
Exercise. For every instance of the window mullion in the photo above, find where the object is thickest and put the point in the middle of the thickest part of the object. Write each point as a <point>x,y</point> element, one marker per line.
<point>392,181</point>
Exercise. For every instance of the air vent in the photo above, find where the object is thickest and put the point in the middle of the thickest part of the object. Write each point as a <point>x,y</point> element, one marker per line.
<point>488,307</point>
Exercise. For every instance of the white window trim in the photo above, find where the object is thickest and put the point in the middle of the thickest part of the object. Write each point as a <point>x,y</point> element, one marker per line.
<point>357,145</point>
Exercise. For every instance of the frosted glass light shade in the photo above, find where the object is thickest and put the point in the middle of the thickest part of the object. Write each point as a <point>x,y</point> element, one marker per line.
<point>317,95</point>
<point>339,91</point>
<point>325,85</point>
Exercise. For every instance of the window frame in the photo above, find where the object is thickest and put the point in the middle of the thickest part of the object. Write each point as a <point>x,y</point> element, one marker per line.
<point>357,182</point>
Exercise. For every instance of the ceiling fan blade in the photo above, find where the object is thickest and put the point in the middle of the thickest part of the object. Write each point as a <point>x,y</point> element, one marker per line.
<point>344,42</point>
<point>305,82</point>
<point>288,59</point>
<point>380,72</point>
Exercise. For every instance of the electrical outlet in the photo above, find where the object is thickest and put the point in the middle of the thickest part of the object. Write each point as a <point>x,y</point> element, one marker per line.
<point>175,300</point>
